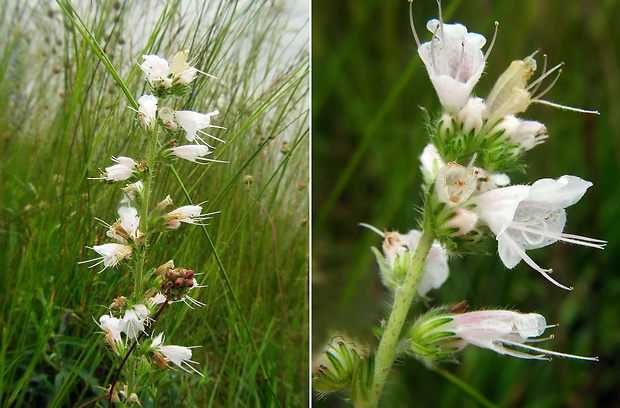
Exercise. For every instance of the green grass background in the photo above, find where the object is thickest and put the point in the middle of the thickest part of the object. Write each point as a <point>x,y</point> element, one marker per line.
<point>61,118</point>
<point>368,132</point>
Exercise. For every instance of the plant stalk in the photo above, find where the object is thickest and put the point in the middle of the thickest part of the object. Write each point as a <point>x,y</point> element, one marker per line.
<point>386,353</point>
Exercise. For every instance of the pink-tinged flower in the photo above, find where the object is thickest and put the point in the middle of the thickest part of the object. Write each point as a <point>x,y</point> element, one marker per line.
<point>499,330</point>
<point>530,217</point>
<point>190,214</point>
<point>111,255</point>
<point>194,153</point>
<point>120,171</point>
<point>178,355</point>
<point>147,110</point>
<point>454,61</point>
<point>193,123</point>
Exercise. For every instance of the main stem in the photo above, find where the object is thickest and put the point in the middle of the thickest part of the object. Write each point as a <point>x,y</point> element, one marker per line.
<point>138,277</point>
<point>386,353</point>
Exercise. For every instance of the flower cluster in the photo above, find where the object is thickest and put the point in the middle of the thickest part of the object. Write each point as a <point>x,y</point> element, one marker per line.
<point>130,317</point>
<point>468,199</point>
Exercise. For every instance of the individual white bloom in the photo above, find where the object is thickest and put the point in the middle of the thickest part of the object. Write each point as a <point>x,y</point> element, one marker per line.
<point>147,110</point>
<point>430,163</point>
<point>530,217</point>
<point>178,355</point>
<point>193,123</point>
<point>131,191</point>
<point>454,183</point>
<point>110,324</point>
<point>158,299</point>
<point>155,67</point>
<point>463,221</point>
<point>512,94</point>
<point>142,311</point>
<point>112,333</point>
<point>132,324</point>
<point>126,227</point>
<point>180,69</point>
<point>524,133</point>
<point>454,61</point>
<point>398,247</point>
<point>129,220</point>
<point>194,153</point>
<point>190,214</point>
<point>111,255</point>
<point>471,116</point>
<point>122,170</point>
<point>499,330</point>
<point>436,270</point>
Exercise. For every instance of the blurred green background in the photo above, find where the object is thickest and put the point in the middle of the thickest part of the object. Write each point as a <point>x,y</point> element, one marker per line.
<point>368,132</point>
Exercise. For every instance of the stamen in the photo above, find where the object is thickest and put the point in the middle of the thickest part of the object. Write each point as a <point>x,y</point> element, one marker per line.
<point>486,54</point>
<point>568,108</point>
<point>372,228</point>
<point>461,60</point>
<point>534,265</point>
<point>547,352</point>
<point>415,34</point>
<point>570,238</point>
<point>443,37</point>
<point>540,95</point>
<point>544,69</point>
<point>542,77</point>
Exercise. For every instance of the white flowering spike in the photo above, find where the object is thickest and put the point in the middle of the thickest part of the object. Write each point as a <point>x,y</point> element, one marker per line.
<point>397,246</point>
<point>147,109</point>
<point>132,324</point>
<point>178,355</point>
<point>122,170</point>
<point>190,214</point>
<point>111,255</point>
<point>453,59</point>
<point>497,329</point>
<point>530,217</point>
<point>194,153</point>
<point>193,123</point>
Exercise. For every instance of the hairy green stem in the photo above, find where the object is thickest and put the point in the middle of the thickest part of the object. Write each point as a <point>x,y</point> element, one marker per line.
<point>386,353</point>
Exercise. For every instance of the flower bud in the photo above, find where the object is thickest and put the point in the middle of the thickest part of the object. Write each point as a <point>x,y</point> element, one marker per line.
<point>471,117</point>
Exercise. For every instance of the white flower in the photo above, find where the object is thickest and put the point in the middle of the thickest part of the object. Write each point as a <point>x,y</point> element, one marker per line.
<point>530,217</point>
<point>430,163</point>
<point>454,61</point>
<point>190,214</point>
<point>110,325</point>
<point>132,323</point>
<point>497,329</point>
<point>111,255</point>
<point>398,247</point>
<point>193,123</point>
<point>158,299</point>
<point>127,226</point>
<point>180,69</point>
<point>147,110</point>
<point>178,355</point>
<point>194,153</point>
<point>512,94</point>
<point>120,171</point>
<point>471,116</point>
<point>524,133</point>
<point>155,67</point>
<point>163,74</point>
<point>454,183</point>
